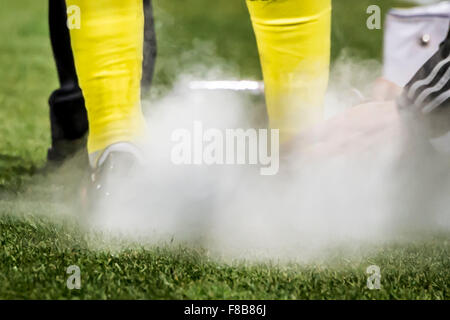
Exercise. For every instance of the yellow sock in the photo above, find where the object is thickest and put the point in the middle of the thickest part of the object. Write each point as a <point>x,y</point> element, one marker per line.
<point>293,39</point>
<point>107,49</point>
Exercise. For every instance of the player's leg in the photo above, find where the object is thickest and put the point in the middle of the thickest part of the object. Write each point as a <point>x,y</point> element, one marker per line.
<point>108,52</point>
<point>293,39</point>
<point>68,118</point>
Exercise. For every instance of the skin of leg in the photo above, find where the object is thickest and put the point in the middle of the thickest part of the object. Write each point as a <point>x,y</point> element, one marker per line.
<point>108,53</point>
<point>293,38</point>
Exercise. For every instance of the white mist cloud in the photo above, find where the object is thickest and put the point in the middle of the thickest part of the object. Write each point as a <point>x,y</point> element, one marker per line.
<point>306,210</point>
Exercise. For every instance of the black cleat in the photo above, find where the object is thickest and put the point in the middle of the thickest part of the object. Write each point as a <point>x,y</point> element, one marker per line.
<point>115,169</point>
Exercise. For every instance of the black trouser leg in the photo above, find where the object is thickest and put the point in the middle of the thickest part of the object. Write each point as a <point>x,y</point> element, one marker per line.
<point>148,65</point>
<point>68,116</point>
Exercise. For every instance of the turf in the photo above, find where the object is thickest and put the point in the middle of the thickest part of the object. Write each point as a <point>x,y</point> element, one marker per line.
<point>36,248</point>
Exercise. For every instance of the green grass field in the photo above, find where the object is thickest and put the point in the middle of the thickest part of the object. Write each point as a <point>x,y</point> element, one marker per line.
<point>38,241</point>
